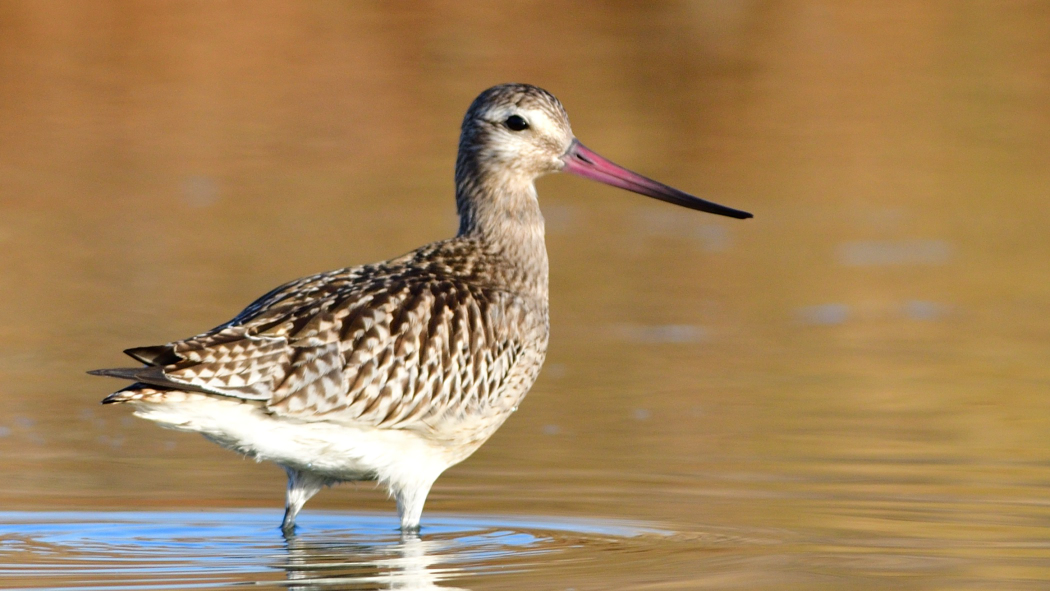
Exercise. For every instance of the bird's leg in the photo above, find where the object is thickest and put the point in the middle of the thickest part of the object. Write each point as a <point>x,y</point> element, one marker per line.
<point>410,500</point>
<point>301,486</point>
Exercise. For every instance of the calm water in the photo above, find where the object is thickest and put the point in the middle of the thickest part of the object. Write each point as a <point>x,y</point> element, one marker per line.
<point>850,391</point>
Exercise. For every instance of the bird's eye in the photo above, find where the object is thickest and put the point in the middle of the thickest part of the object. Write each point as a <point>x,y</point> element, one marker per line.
<point>516,123</point>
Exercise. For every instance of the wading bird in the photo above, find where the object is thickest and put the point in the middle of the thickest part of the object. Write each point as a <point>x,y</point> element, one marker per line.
<point>398,370</point>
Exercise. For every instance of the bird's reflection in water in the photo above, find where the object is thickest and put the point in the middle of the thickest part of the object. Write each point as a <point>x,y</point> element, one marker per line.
<point>408,563</point>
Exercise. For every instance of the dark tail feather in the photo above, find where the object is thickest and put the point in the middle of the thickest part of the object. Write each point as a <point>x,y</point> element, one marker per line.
<point>155,355</point>
<point>114,398</point>
<point>136,391</point>
<point>125,373</point>
<point>122,395</point>
<point>152,376</point>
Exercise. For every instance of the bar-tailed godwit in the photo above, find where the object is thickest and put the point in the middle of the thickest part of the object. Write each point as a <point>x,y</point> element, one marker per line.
<point>398,370</point>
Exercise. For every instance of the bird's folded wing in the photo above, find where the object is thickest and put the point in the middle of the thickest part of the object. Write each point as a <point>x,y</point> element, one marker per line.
<point>388,358</point>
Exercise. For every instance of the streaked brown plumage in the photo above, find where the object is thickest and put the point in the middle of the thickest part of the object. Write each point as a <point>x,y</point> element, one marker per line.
<point>393,371</point>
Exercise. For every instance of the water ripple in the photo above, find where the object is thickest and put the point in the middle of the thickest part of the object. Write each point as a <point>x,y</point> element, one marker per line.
<point>163,550</point>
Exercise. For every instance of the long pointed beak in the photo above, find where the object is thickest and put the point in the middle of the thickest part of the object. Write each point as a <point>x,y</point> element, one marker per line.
<point>581,160</point>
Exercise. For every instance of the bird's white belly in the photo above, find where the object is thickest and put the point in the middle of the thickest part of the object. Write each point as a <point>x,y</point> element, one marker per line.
<point>336,451</point>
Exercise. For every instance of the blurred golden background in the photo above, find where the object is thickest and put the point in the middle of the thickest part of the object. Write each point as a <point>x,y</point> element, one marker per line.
<point>860,371</point>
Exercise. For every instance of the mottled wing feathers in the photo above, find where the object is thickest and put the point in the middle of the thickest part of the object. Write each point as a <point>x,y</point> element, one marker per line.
<point>376,346</point>
<point>233,363</point>
<point>405,356</point>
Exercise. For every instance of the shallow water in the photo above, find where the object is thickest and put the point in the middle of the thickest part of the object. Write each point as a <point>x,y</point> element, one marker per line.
<point>847,392</point>
<point>157,550</point>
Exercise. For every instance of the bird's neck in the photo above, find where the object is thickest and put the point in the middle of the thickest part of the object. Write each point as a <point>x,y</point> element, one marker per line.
<point>504,214</point>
